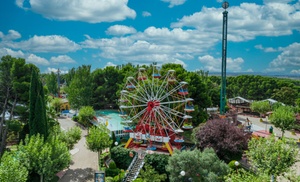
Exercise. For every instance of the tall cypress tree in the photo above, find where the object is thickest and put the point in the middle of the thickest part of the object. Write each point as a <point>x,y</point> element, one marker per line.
<point>37,113</point>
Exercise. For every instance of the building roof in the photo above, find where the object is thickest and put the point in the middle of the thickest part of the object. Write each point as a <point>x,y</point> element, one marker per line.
<point>238,100</point>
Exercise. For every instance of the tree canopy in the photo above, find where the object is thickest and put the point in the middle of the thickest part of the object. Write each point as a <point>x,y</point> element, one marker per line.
<point>284,118</point>
<point>197,166</point>
<point>271,155</point>
<point>225,138</point>
<point>260,106</point>
<point>98,139</point>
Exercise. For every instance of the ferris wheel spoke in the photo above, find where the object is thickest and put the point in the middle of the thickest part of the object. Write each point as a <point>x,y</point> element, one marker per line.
<point>173,111</point>
<point>170,92</point>
<point>166,83</point>
<point>135,97</point>
<point>138,114</point>
<point>172,102</point>
<point>143,90</point>
<point>165,119</point>
<point>132,106</point>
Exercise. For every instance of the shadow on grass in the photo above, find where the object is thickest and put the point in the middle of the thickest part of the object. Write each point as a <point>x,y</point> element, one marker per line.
<point>78,175</point>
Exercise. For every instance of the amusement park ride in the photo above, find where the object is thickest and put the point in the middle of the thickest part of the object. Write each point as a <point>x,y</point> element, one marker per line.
<point>155,110</point>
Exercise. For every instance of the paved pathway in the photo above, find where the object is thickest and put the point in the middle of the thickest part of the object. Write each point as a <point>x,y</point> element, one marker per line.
<point>84,162</point>
<point>265,125</point>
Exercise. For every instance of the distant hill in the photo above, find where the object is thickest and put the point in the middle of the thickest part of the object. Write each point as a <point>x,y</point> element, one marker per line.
<point>290,76</point>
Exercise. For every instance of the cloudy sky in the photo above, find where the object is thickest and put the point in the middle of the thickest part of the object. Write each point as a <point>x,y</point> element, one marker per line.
<point>263,35</point>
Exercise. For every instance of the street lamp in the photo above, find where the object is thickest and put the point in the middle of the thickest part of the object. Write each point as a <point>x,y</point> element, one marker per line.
<point>116,143</point>
<point>236,163</point>
<point>182,173</point>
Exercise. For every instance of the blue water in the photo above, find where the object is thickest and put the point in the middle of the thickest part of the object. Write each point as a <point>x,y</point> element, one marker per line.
<point>110,118</point>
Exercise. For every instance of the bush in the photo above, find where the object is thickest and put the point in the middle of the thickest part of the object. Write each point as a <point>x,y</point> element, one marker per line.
<point>232,165</point>
<point>121,157</point>
<point>112,172</point>
<point>112,165</point>
<point>158,162</point>
<point>75,118</point>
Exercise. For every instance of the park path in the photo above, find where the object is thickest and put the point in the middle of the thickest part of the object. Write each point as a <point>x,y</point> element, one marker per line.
<point>84,162</point>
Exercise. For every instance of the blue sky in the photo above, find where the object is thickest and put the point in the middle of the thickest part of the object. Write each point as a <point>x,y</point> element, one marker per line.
<point>263,35</point>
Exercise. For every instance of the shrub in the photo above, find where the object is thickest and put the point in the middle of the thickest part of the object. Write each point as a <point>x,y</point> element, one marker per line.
<point>75,118</point>
<point>121,157</point>
<point>112,165</point>
<point>112,172</point>
<point>232,165</point>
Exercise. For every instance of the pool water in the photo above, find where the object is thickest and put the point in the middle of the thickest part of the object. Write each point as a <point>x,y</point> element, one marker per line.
<point>110,118</point>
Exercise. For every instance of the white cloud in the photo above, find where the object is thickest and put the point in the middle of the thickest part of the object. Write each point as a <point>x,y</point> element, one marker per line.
<point>146,14</point>
<point>37,60</point>
<point>247,21</point>
<point>161,45</point>
<point>289,58</point>
<point>30,58</point>
<point>214,64</point>
<point>62,59</point>
<point>81,10</point>
<point>54,70</point>
<point>110,64</point>
<point>295,72</point>
<point>120,30</point>
<point>7,51</point>
<point>51,43</point>
<point>12,35</point>
<point>174,2</point>
<point>265,49</point>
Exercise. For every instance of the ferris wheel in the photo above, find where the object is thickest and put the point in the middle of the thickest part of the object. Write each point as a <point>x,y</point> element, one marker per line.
<point>155,109</point>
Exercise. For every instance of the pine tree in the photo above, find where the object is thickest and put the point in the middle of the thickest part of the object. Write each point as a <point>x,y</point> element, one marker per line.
<point>37,113</point>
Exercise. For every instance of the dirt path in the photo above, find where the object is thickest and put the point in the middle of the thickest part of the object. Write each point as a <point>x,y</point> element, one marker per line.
<point>84,162</point>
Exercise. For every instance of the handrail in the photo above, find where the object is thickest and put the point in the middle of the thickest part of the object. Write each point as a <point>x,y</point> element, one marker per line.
<point>129,168</point>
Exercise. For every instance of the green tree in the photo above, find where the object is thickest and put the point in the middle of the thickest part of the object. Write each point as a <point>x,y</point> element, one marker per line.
<point>86,114</point>
<point>148,174</point>
<point>80,88</point>
<point>37,110</point>
<point>45,158</point>
<point>121,157</point>
<point>51,83</point>
<point>197,165</point>
<point>158,162</point>
<point>56,104</point>
<point>284,118</point>
<point>271,155</point>
<point>71,137</point>
<point>286,95</point>
<point>12,169</point>
<point>98,139</point>
<point>261,107</point>
<point>14,81</point>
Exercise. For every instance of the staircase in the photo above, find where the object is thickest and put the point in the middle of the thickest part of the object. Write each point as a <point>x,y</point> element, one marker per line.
<point>135,167</point>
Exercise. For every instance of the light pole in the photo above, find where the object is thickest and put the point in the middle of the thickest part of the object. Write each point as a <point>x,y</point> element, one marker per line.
<point>225,5</point>
<point>236,163</point>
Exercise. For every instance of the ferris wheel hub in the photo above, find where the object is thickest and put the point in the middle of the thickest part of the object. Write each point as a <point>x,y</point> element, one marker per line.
<point>152,104</point>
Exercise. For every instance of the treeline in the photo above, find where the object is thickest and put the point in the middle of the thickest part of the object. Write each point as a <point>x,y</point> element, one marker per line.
<point>101,88</point>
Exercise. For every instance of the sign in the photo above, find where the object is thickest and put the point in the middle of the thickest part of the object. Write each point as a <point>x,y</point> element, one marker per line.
<point>100,176</point>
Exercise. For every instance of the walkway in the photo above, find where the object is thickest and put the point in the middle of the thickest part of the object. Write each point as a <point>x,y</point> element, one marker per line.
<point>257,125</point>
<point>84,162</point>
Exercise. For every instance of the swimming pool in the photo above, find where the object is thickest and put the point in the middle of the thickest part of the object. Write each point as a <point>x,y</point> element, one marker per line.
<point>110,118</point>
